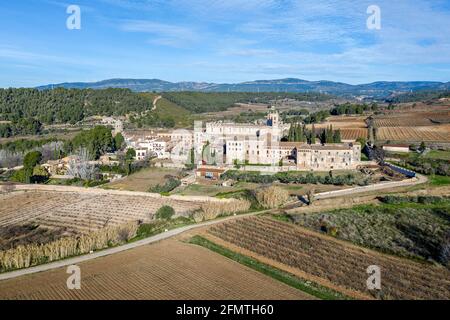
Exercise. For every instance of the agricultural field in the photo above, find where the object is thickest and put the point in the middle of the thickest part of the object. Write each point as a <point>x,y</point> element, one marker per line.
<point>403,121</point>
<point>414,123</point>
<point>143,180</point>
<point>408,229</point>
<point>352,127</point>
<point>354,133</point>
<point>333,262</point>
<point>342,122</point>
<point>157,271</point>
<point>81,212</point>
<point>438,154</point>
<point>413,134</point>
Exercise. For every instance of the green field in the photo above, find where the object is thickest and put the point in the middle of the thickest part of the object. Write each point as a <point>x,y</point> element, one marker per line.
<point>438,154</point>
<point>438,181</point>
<point>143,180</point>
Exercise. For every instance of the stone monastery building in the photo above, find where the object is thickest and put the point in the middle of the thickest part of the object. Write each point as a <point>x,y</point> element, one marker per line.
<point>260,144</point>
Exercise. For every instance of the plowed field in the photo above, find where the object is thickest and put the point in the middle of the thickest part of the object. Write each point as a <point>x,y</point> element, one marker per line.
<point>335,261</point>
<point>166,270</point>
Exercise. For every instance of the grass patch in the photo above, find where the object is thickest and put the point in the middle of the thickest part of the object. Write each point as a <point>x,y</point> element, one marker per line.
<point>438,154</point>
<point>439,181</point>
<point>309,287</point>
<point>147,230</point>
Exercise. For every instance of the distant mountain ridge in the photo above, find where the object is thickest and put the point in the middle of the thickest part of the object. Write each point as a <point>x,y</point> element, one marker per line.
<point>375,89</point>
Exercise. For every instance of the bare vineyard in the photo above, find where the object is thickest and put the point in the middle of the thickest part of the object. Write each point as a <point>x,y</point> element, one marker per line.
<point>402,122</point>
<point>432,133</point>
<point>353,133</point>
<point>167,270</point>
<point>339,263</point>
<point>82,213</point>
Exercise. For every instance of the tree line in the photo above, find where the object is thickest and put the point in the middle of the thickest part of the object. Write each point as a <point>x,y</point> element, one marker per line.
<point>299,133</point>
<point>293,177</point>
<point>26,126</point>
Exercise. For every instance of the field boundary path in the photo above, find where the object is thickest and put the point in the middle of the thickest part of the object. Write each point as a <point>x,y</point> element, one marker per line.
<point>107,252</point>
<point>98,191</point>
<point>374,187</point>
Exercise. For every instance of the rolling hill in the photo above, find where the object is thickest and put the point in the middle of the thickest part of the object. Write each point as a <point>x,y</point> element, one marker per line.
<point>380,89</point>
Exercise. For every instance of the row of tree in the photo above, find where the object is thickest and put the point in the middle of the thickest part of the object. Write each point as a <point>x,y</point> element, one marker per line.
<point>350,108</point>
<point>27,126</point>
<point>293,177</point>
<point>299,133</point>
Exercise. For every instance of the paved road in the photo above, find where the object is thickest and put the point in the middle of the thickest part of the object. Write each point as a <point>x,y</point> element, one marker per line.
<point>107,252</point>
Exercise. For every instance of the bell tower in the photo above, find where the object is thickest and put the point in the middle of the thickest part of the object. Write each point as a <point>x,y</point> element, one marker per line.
<point>273,118</point>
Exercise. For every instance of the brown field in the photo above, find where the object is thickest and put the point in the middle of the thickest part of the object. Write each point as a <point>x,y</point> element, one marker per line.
<point>342,122</point>
<point>405,117</point>
<point>333,262</point>
<point>81,212</point>
<point>429,133</point>
<point>167,270</point>
<point>143,180</point>
<point>353,134</point>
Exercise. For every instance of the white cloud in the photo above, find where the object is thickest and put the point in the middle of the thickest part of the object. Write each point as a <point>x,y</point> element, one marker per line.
<point>162,34</point>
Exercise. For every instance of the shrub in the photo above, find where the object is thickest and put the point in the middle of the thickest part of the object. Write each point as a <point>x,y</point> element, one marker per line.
<point>34,254</point>
<point>288,177</point>
<point>271,197</point>
<point>418,199</point>
<point>165,213</point>
<point>170,185</point>
<point>212,210</point>
<point>445,251</point>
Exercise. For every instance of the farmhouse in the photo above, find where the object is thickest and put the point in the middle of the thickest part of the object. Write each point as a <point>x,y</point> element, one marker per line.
<point>210,172</point>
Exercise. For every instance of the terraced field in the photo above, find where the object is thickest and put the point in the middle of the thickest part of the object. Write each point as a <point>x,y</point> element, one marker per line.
<point>336,262</point>
<point>166,270</point>
<point>81,212</point>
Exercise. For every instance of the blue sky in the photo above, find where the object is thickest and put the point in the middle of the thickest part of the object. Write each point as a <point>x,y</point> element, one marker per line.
<point>223,41</point>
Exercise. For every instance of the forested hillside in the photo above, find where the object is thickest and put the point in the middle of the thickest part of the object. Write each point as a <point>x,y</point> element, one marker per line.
<point>68,105</point>
<point>199,102</point>
<point>419,96</point>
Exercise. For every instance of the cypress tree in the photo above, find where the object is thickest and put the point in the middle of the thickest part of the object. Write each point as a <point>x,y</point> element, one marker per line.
<point>313,135</point>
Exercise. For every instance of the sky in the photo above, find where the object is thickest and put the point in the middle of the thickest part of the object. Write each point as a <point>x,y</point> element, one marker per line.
<point>223,41</point>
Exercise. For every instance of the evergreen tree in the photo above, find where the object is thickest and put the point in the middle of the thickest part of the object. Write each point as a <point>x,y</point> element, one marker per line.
<point>313,135</point>
<point>337,136</point>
